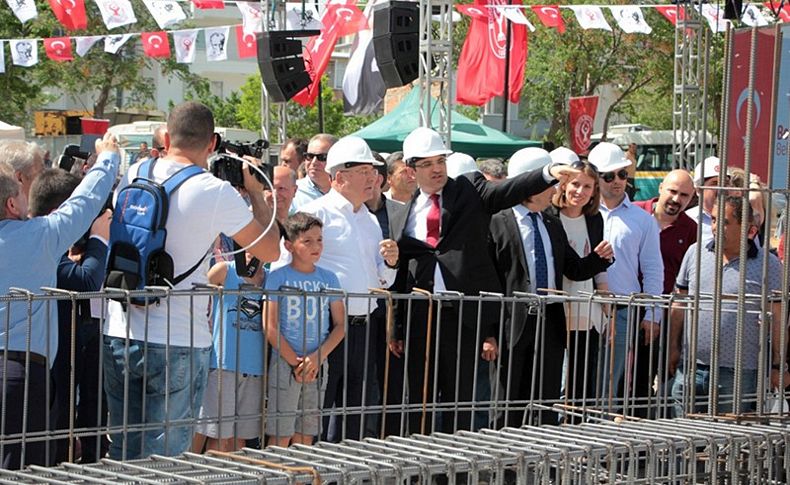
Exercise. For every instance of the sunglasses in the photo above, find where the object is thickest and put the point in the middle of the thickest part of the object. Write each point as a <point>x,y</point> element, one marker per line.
<point>580,165</point>
<point>321,157</point>
<point>609,176</point>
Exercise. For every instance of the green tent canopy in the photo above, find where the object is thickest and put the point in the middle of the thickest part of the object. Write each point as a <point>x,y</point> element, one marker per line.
<point>387,133</point>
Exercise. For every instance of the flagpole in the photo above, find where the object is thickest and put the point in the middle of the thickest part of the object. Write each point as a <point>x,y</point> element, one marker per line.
<point>506,90</point>
<point>320,110</point>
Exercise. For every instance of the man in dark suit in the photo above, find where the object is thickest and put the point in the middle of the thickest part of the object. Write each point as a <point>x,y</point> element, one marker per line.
<point>532,254</point>
<point>443,241</point>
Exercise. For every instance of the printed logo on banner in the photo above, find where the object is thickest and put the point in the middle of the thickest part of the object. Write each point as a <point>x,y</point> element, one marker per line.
<point>583,130</point>
<point>497,33</point>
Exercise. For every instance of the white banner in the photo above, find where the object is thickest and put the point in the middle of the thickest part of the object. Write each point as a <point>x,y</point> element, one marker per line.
<point>23,9</point>
<point>84,44</point>
<point>294,21</point>
<point>753,17</point>
<point>166,12</point>
<point>630,19</point>
<point>185,41</point>
<point>251,17</point>
<point>2,57</point>
<point>216,43</point>
<point>113,43</point>
<point>116,13</point>
<point>714,14</point>
<point>24,52</point>
<point>590,17</point>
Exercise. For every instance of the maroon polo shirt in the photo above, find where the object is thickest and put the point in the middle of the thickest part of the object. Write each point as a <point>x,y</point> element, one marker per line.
<point>675,240</point>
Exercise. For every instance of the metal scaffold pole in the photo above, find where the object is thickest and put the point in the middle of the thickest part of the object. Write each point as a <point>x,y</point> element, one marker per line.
<point>273,15</point>
<point>436,44</point>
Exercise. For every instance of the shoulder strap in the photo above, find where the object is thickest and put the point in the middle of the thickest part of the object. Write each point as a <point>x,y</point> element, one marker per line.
<point>178,279</point>
<point>178,178</point>
<point>145,170</point>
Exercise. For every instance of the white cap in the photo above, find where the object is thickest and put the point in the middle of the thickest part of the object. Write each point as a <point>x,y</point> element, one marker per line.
<point>349,149</point>
<point>608,157</point>
<point>527,160</point>
<point>423,143</point>
<point>563,156</point>
<point>710,167</point>
<point>459,164</point>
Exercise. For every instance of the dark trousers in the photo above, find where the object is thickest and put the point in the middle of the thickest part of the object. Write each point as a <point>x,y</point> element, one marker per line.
<point>580,380</point>
<point>390,395</point>
<point>535,371</point>
<point>451,363</point>
<point>647,362</point>
<point>14,399</point>
<point>347,386</point>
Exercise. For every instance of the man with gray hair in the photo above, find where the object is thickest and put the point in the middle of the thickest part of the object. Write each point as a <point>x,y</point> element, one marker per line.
<point>317,182</point>
<point>25,159</point>
<point>493,170</point>
<point>31,250</point>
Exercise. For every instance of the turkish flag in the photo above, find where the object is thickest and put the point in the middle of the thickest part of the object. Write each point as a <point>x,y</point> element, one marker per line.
<point>156,44</point>
<point>70,13</point>
<point>582,116</point>
<point>207,4</point>
<point>783,13</point>
<point>247,43</point>
<point>481,67</point>
<point>58,49</point>
<point>339,19</point>
<point>672,13</point>
<point>550,16</point>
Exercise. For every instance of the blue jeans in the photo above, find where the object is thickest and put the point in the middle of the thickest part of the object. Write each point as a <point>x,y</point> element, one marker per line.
<point>726,388</point>
<point>620,352</point>
<point>165,393</point>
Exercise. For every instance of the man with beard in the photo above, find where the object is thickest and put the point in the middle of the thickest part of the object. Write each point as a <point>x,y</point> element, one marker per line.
<point>678,232</point>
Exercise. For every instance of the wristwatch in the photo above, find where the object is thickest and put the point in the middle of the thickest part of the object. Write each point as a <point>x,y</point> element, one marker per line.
<point>782,366</point>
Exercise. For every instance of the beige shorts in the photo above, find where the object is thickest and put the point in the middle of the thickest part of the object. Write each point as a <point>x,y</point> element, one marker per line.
<point>241,419</point>
<point>294,407</point>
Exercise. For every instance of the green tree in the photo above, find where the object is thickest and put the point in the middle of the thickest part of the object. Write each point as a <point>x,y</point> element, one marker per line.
<point>226,110</point>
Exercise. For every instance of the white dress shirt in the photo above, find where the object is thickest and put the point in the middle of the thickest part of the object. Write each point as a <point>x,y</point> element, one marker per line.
<point>417,227</point>
<point>351,248</point>
<point>524,222</point>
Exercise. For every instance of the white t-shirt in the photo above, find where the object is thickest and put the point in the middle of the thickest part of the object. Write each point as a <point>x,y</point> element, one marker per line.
<point>200,209</point>
<point>579,315</point>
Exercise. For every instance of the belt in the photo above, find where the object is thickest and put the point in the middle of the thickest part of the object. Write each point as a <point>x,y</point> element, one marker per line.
<point>17,356</point>
<point>357,319</point>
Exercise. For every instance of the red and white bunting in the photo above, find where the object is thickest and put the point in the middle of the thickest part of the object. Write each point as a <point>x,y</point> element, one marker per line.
<point>23,9</point>
<point>550,16</point>
<point>714,14</point>
<point>113,43</point>
<point>70,13</point>
<point>209,4</point>
<point>58,49</point>
<point>184,42</point>
<point>24,52</point>
<point>84,44</point>
<point>672,13</point>
<point>753,17</point>
<point>630,19</point>
<point>590,17</point>
<point>295,20</point>
<point>251,16</point>
<point>116,13</point>
<point>166,12</point>
<point>155,44</point>
<point>515,15</point>
<point>216,43</point>
<point>246,42</point>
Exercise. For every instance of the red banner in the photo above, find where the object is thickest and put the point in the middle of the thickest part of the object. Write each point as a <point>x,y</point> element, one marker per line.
<point>762,99</point>
<point>582,117</point>
<point>58,49</point>
<point>550,16</point>
<point>481,67</point>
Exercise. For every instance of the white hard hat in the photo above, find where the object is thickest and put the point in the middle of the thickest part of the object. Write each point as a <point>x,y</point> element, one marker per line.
<point>710,167</point>
<point>459,164</point>
<point>608,157</point>
<point>563,156</point>
<point>349,149</point>
<point>527,160</point>
<point>423,143</point>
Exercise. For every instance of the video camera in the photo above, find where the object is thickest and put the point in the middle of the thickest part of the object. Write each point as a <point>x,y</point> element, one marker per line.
<point>71,154</point>
<point>228,164</point>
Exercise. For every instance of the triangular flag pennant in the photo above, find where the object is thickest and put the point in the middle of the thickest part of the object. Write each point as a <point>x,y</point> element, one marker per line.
<point>590,17</point>
<point>116,13</point>
<point>753,17</point>
<point>155,44</point>
<point>550,16</point>
<point>58,49</point>
<point>515,15</point>
<point>184,42</point>
<point>480,13</point>
<point>70,13</point>
<point>24,52</point>
<point>208,4</point>
<point>715,17</point>
<point>165,12</point>
<point>251,17</point>
<point>630,19</point>
<point>216,43</point>
<point>84,44</point>
<point>113,43</point>
<point>23,9</point>
<point>672,12</point>
<point>2,57</point>
<point>294,20</point>
<point>246,42</point>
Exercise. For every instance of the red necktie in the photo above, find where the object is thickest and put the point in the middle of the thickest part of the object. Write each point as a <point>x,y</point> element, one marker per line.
<point>432,222</point>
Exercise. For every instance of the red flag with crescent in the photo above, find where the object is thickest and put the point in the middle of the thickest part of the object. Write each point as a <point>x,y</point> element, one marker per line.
<point>582,117</point>
<point>672,13</point>
<point>783,13</point>
<point>247,43</point>
<point>208,4</point>
<point>550,16</point>
<point>58,49</point>
<point>481,67</point>
<point>70,13</point>
<point>156,44</point>
<point>339,19</point>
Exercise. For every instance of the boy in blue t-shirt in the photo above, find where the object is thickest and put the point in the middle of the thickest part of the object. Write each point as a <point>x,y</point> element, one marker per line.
<point>298,329</point>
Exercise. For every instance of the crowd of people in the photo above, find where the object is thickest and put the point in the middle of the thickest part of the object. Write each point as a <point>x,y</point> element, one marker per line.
<point>283,343</point>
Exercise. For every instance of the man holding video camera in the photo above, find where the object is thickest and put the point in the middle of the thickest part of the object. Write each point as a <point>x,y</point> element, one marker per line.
<point>161,352</point>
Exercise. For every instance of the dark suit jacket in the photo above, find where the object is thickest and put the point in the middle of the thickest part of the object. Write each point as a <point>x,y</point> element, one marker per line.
<point>511,265</point>
<point>462,252</point>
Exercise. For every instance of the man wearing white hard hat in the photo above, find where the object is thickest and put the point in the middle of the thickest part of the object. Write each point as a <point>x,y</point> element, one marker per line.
<point>532,254</point>
<point>356,252</point>
<point>706,174</point>
<point>634,234</point>
<point>444,247</point>
<point>460,163</point>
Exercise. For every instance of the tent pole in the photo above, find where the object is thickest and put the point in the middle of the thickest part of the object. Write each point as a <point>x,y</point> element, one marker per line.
<point>506,90</point>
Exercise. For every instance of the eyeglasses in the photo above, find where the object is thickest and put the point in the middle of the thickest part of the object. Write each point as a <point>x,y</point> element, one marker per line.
<point>609,176</point>
<point>580,166</point>
<point>321,157</point>
<point>429,163</point>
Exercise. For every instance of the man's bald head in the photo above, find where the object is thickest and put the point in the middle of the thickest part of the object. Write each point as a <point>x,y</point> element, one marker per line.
<point>675,193</point>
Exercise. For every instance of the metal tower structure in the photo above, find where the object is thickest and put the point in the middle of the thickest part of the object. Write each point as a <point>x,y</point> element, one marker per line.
<point>436,44</point>
<point>689,113</point>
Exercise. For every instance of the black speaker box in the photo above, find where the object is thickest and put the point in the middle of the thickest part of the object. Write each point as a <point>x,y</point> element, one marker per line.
<point>396,41</point>
<point>283,78</point>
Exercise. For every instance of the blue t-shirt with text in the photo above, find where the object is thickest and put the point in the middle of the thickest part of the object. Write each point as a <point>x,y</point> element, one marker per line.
<point>303,317</point>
